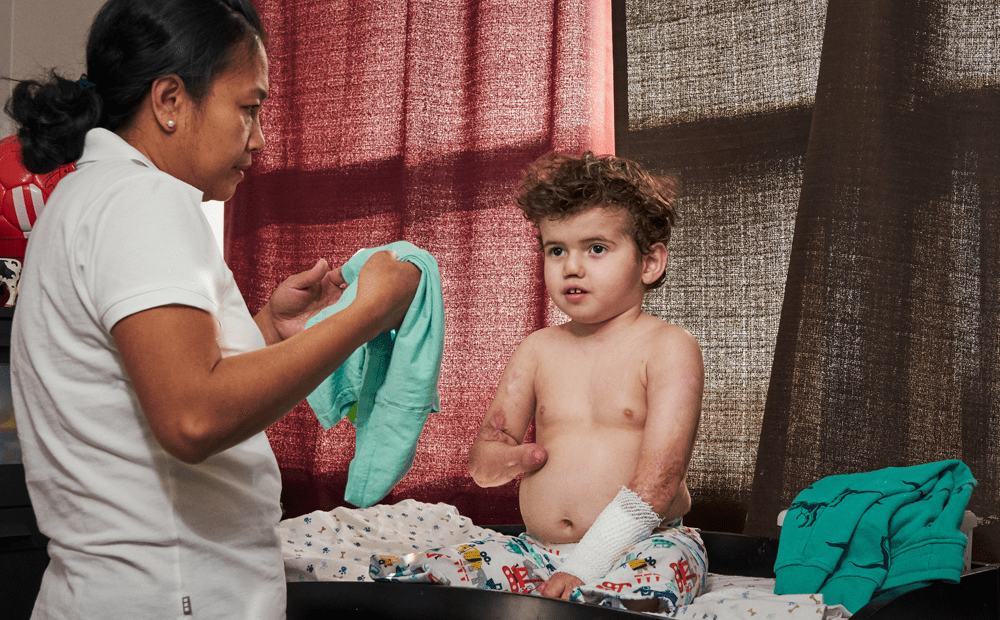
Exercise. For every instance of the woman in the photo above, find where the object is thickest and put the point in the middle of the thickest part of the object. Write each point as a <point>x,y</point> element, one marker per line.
<point>141,383</point>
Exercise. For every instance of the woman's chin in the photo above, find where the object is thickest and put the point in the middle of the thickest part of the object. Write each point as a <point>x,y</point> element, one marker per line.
<point>219,194</point>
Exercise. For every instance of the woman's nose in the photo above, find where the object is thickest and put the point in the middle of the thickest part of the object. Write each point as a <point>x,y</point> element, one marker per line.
<point>256,143</point>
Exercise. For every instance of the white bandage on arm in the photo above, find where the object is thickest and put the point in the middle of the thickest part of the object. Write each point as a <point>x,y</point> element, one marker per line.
<point>623,523</point>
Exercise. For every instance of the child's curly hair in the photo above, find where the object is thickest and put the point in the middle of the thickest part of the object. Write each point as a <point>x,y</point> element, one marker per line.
<point>558,185</point>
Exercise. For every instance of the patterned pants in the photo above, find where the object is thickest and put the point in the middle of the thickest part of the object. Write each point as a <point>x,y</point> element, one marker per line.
<point>670,566</point>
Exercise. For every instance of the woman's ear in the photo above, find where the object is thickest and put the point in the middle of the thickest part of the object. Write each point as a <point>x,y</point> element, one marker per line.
<point>168,98</point>
<point>654,263</point>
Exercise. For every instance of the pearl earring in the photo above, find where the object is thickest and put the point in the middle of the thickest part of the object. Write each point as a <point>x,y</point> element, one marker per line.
<point>170,124</point>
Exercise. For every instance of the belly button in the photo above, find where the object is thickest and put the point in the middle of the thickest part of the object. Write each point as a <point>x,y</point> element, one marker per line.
<point>567,523</point>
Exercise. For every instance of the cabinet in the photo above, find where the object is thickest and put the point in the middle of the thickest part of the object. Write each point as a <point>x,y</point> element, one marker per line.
<point>22,547</point>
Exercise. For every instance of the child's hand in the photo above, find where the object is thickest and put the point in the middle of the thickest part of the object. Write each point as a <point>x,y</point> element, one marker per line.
<point>496,457</point>
<point>559,585</point>
<point>513,460</point>
<point>529,457</point>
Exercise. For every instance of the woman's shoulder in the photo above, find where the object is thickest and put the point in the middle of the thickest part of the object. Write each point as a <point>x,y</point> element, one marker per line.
<point>111,182</point>
<point>117,198</point>
<point>110,163</point>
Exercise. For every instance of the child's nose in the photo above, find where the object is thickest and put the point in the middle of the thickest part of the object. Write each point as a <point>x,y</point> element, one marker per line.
<point>573,265</point>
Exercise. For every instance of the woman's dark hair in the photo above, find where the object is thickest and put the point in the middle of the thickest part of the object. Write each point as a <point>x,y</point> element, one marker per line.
<point>131,44</point>
<point>559,186</point>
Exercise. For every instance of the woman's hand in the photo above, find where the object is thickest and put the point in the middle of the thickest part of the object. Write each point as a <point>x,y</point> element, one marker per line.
<point>297,299</point>
<point>387,286</point>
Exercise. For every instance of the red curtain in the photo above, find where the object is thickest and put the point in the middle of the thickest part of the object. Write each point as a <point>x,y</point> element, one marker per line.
<point>415,120</point>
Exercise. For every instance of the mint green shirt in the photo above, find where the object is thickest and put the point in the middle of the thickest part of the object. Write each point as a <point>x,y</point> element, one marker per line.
<point>387,387</point>
<point>852,536</point>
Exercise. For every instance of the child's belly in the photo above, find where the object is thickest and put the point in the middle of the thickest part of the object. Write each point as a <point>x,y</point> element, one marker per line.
<point>583,473</point>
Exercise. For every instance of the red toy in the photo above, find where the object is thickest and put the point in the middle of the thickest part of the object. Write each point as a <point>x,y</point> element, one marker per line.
<point>22,196</point>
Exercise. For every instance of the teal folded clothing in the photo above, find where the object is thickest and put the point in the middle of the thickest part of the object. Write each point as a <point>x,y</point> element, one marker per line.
<point>853,536</point>
<point>388,386</point>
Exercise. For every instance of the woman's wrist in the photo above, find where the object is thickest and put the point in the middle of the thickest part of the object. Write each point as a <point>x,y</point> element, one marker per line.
<point>265,323</point>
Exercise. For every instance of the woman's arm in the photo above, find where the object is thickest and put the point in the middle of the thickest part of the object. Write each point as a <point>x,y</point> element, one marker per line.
<point>199,403</point>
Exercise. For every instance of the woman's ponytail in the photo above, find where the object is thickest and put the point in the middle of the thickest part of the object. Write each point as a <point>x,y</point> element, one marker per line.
<point>53,119</point>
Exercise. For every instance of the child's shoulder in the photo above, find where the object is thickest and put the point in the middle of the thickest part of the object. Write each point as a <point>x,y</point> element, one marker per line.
<point>540,337</point>
<point>662,335</point>
<point>542,344</point>
<point>662,327</point>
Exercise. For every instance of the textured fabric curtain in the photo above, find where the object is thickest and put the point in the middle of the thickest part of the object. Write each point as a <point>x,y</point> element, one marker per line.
<point>720,95</point>
<point>415,120</point>
<point>839,256</point>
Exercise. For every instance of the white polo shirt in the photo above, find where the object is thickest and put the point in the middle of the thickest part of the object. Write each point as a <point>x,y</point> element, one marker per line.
<point>135,533</point>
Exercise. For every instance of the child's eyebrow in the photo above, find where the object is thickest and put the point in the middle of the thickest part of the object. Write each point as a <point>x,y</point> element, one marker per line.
<point>604,240</point>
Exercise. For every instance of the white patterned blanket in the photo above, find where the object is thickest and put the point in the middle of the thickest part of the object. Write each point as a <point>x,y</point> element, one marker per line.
<point>337,545</point>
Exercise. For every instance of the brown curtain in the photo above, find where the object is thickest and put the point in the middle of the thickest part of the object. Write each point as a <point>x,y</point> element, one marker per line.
<point>720,95</point>
<point>841,166</point>
<point>415,120</point>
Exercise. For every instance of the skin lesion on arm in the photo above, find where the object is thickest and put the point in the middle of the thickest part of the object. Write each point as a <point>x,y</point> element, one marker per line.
<point>498,454</point>
<point>674,390</point>
<point>494,429</point>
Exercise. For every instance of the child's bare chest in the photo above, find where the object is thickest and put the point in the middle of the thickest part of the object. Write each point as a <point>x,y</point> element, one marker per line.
<point>607,389</point>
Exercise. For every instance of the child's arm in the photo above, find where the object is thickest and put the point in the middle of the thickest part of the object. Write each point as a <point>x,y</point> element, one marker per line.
<point>498,454</point>
<point>675,383</point>
<point>675,379</point>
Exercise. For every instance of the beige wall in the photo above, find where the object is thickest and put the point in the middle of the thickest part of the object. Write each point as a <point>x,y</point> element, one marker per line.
<point>38,35</point>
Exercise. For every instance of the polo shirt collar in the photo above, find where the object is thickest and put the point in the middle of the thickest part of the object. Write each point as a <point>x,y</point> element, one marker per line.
<point>102,144</point>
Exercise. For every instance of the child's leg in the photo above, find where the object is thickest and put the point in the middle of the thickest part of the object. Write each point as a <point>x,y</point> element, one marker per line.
<point>504,563</point>
<point>669,569</point>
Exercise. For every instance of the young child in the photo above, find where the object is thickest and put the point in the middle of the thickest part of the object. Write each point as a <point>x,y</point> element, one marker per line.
<point>616,398</point>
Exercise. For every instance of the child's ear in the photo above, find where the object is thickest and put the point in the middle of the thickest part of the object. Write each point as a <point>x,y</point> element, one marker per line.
<point>654,263</point>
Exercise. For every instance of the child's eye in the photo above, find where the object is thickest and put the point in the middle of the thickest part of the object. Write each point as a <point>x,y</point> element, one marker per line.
<point>598,249</point>
<point>555,251</point>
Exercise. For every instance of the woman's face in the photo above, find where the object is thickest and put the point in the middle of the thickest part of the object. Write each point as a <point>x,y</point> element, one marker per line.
<point>223,130</point>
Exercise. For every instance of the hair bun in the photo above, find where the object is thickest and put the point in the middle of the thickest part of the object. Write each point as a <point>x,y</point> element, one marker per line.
<point>54,117</point>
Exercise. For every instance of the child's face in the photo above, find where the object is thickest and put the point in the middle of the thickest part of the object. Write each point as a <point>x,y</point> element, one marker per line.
<point>593,271</point>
